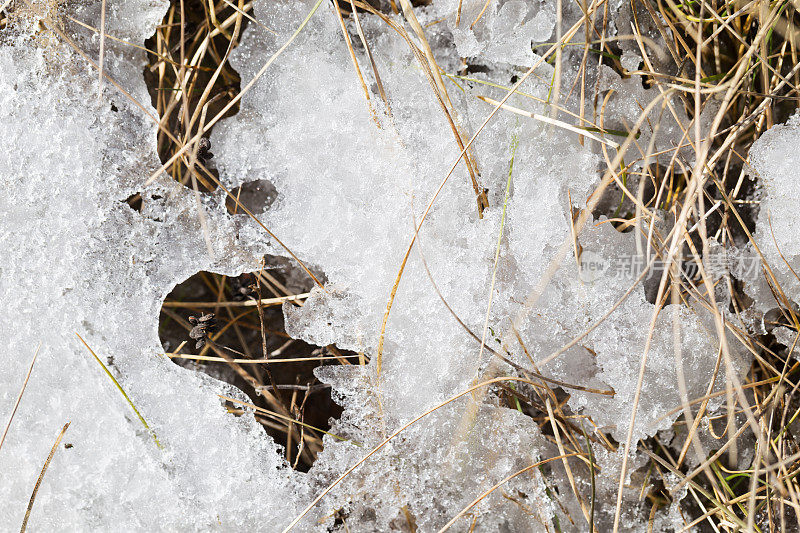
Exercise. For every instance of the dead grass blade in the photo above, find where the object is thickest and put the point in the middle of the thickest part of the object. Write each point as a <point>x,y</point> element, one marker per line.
<point>41,477</point>
<point>499,484</point>
<point>19,396</point>
<point>353,58</point>
<point>102,49</point>
<point>563,125</point>
<point>514,144</point>
<point>368,50</point>
<point>244,303</point>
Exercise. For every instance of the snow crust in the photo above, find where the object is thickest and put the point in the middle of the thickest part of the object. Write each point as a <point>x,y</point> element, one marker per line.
<point>351,183</point>
<point>774,161</point>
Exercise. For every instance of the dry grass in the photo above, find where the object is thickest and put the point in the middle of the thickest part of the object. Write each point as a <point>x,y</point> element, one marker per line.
<point>41,477</point>
<point>250,349</point>
<point>740,58</point>
<point>190,78</point>
<point>745,53</point>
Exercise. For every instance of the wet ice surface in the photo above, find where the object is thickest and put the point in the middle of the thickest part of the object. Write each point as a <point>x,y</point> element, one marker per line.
<point>348,196</point>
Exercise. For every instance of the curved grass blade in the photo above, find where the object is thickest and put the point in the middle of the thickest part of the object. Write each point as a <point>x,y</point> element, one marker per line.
<point>41,477</point>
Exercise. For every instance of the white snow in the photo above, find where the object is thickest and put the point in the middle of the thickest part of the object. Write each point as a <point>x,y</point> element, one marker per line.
<point>351,184</point>
<point>773,159</point>
<point>77,259</point>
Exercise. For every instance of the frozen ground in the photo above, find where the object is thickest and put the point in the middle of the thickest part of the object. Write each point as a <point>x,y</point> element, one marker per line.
<point>352,184</point>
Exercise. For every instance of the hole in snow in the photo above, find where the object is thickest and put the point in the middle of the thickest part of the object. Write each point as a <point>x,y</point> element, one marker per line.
<point>134,201</point>
<point>224,345</point>
<point>182,96</point>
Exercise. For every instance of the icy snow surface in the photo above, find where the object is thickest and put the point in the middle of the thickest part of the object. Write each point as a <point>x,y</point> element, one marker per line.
<point>774,160</point>
<point>78,259</point>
